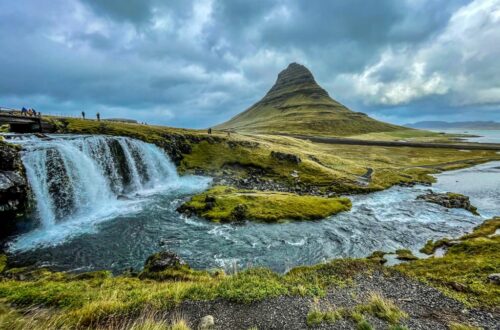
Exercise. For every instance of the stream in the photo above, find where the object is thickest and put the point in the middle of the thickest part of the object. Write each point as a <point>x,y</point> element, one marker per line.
<point>93,212</point>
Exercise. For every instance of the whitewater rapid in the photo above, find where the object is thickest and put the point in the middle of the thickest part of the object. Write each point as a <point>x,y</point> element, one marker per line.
<point>79,181</point>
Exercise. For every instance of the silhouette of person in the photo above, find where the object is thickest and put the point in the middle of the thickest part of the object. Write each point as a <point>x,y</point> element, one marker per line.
<point>98,115</point>
<point>210,131</point>
<point>83,114</point>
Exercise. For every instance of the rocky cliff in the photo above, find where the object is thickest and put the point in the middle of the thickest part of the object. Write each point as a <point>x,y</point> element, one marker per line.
<point>13,187</point>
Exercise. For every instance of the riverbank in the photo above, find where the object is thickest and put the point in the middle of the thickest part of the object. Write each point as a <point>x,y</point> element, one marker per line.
<point>356,291</point>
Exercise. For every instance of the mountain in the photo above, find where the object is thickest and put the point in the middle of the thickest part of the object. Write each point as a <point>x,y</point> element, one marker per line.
<point>489,125</point>
<point>296,104</point>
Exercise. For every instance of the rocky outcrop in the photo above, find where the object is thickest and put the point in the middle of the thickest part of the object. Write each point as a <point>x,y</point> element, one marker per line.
<point>162,261</point>
<point>13,187</point>
<point>449,200</point>
<point>281,156</point>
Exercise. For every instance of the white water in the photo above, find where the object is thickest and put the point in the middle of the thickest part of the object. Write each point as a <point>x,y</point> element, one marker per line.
<point>79,181</point>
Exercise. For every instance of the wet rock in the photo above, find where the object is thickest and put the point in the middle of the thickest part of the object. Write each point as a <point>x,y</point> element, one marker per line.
<point>494,278</point>
<point>162,261</point>
<point>449,200</point>
<point>281,156</point>
<point>13,187</point>
<point>240,212</point>
<point>207,323</point>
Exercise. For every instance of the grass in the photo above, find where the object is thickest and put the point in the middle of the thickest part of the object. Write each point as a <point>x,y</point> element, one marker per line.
<point>376,306</point>
<point>405,254</point>
<point>382,308</point>
<point>227,204</point>
<point>326,167</point>
<point>462,272</point>
<point>461,326</point>
<point>97,299</point>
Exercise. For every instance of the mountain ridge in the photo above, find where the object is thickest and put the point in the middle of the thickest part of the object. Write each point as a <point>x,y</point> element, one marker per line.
<point>297,104</point>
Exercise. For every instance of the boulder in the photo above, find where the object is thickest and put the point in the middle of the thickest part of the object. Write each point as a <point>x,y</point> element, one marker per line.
<point>494,278</point>
<point>281,156</point>
<point>162,261</point>
<point>449,200</point>
<point>206,323</point>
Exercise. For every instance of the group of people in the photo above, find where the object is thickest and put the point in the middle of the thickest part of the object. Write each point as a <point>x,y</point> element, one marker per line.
<point>98,115</point>
<point>31,112</point>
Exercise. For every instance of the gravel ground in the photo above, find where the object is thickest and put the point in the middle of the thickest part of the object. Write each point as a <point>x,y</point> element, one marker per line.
<point>427,308</point>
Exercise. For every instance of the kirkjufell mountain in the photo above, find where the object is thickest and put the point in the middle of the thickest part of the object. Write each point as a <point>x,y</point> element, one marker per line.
<point>296,104</point>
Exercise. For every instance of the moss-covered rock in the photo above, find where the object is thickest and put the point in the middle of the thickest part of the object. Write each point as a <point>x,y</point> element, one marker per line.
<point>450,200</point>
<point>226,204</point>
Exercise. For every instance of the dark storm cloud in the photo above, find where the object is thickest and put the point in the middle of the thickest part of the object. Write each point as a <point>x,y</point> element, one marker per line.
<point>195,63</point>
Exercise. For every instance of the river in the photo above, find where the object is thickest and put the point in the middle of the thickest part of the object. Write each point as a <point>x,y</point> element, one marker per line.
<point>118,226</point>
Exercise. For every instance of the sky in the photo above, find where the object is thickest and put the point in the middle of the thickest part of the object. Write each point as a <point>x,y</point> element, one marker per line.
<point>196,63</point>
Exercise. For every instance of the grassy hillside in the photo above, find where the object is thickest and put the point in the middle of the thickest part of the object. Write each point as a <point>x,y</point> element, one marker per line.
<point>296,104</point>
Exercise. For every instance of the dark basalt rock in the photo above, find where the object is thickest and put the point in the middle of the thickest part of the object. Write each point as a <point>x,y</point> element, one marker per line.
<point>449,200</point>
<point>13,187</point>
<point>163,260</point>
<point>281,156</point>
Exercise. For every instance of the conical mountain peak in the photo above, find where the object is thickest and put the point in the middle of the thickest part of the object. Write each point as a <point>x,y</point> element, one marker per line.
<point>296,104</point>
<point>296,78</point>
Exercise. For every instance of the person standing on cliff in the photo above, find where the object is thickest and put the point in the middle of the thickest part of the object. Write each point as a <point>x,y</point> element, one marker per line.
<point>83,114</point>
<point>98,115</point>
<point>210,131</point>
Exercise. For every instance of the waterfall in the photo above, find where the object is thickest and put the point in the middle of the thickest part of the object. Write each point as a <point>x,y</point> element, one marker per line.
<point>79,180</point>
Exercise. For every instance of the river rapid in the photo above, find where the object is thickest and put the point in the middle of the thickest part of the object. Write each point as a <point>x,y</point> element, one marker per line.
<point>114,217</point>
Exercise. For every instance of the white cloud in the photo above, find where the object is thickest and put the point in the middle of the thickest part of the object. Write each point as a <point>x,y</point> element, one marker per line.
<point>455,63</point>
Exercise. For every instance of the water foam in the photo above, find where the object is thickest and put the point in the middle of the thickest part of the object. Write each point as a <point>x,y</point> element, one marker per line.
<point>78,182</point>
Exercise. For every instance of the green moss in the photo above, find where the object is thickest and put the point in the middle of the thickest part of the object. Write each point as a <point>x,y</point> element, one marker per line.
<point>378,256</point>
<point>405,254</point>
<point>430,247</point>
<point>462,272</point>
<point>229,204</point>
<point>3,262</point>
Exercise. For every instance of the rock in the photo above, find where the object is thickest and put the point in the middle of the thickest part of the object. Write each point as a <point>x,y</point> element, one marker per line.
<point>449,200</point>
<point>163,260</point>
<point>239,212</point>
<point>494,278</point>
<point>281,156</point>
<point>459,287</point>
<point>206,323</point>
<point>13,187</point>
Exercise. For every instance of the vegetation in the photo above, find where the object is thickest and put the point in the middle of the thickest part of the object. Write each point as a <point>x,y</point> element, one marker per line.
<point>297,104</point>
<point>229,204</point>
<point>463,271</point>
<point>460,326</point>
<point>326,167</point>
<point>94,299</point>
<point>405,254</point>
<point>377,306</point>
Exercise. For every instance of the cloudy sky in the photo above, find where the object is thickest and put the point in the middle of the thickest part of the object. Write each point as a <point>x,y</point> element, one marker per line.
<point>195,63</point>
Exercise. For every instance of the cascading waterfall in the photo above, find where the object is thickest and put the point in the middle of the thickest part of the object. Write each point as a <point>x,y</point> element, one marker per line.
<point>80,180</point>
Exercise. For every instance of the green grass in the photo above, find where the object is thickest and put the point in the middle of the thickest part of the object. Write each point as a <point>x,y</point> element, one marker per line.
<point>95,299</point>
<point>382,308</point>
<point>405,254</point>
<point>461,326</point>
<point>227,204</point>
<point>327,167</point>
<point>462,272</point>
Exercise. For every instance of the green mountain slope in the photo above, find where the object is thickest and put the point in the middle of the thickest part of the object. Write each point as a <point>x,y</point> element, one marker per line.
<point>296,104</point>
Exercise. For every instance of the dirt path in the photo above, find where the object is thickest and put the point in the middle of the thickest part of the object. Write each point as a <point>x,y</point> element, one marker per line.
<point>460,146</point>
<point>427,308</point>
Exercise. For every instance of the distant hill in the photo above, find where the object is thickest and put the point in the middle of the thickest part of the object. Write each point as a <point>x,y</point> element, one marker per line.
<point>296,104</point>
<point>489,125</point>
